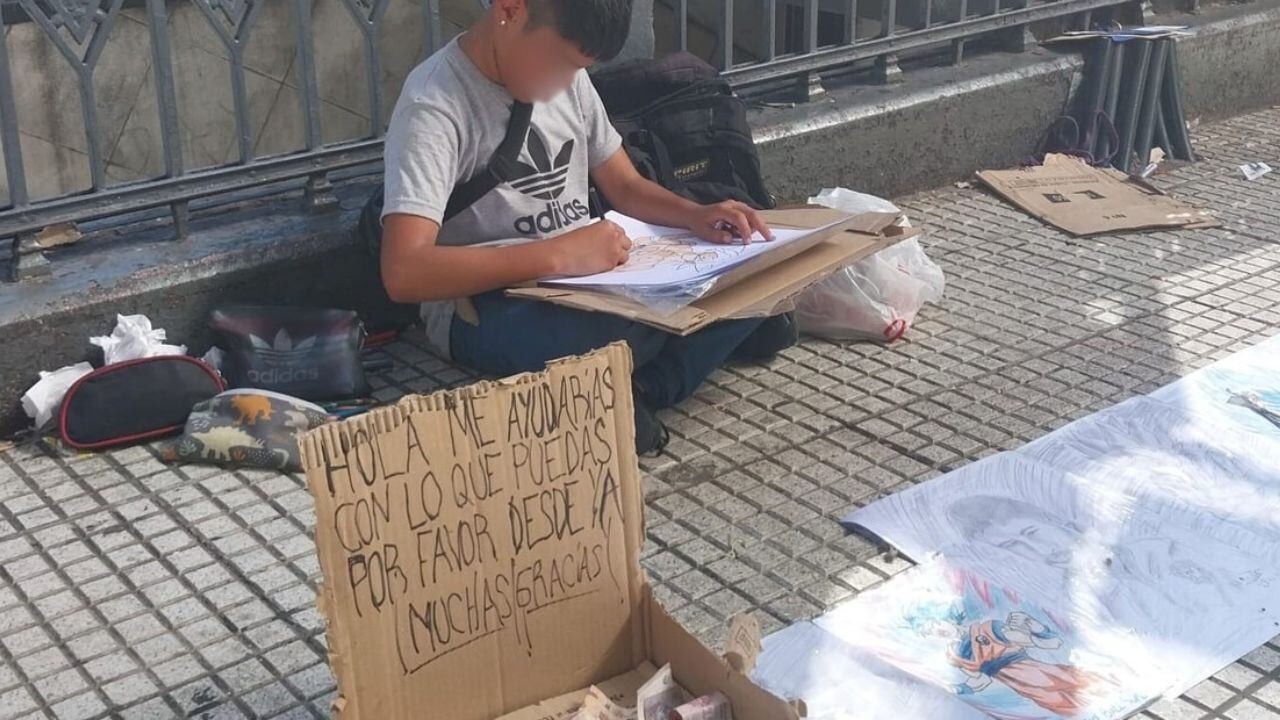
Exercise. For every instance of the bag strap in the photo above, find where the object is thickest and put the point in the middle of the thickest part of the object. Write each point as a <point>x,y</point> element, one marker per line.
<point>501,167</point>
<point>717,83</point>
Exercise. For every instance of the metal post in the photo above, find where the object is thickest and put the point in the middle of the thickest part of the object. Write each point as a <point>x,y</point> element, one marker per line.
<point>957,46</point>
<point>23,263</point>
<point>726,34</point>
<point>1173,111</point>
<point>1018,39</point>
<point>683,10</point>
<point>318,195</point>
<point>234,38</point>
<point>851,23</point>
<point>1131,102</point>
<point>167,103</point>
<point>434,33</point>
<point>811,26</point>
<point>888,18</point>
<point>1098,142</point>
<point>886,70</point>
<point>769,38</point>
<point>1113,80</point>
<point>1150,103</point>
<point>809,87</point>
<point>1162,140</point>
<point>810,84</point>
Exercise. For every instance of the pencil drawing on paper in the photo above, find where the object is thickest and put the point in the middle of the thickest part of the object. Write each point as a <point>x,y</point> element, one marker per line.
<point>677,253</point>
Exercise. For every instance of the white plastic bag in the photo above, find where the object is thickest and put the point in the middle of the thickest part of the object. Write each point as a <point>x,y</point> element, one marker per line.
<point>876,298</point>
<point>43,399</point>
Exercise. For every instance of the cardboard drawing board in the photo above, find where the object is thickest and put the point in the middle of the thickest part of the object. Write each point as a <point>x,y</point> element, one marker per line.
<point>761,286</point>
<point>480,550</point>
<point>1082,200</point>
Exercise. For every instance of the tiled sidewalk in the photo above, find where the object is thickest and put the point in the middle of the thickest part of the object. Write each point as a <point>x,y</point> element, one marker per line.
<point>133,589</point>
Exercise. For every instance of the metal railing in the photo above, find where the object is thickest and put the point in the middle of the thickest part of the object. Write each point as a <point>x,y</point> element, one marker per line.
<point>79,29</point>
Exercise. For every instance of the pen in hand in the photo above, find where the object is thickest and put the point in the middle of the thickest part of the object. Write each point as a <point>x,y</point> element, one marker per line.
<point>725,226</point>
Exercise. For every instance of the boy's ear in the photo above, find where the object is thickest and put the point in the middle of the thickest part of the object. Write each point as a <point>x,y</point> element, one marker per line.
<point>510,11</point>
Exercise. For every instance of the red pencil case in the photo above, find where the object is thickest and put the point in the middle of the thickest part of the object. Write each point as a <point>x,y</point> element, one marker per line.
<point>135,400</point>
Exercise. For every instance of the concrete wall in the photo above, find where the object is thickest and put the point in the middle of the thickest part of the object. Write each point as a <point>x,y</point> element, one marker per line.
<point>1232,62</point>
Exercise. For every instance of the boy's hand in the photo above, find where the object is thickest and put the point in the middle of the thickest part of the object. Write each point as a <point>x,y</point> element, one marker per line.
<point>595,248</point>
<point>727,222</point>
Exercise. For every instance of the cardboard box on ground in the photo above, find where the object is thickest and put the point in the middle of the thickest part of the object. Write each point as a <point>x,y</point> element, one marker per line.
<point>1069,194</point>
<point>480,550</point>
<point>748,290</point>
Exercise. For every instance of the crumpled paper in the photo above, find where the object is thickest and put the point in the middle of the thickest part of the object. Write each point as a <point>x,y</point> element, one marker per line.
<point>43,399</point>
<point>134,338</point>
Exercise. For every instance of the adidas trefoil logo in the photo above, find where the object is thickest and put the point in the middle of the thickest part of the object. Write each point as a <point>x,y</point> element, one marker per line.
<point>546,180</point>
<point>281,345</point>
<point>282,360</point>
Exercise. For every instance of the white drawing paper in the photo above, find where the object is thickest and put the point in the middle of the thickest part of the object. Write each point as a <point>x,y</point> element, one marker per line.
<point>839,682</point>
<point>664,256</point>
<point>1192,470</point>
<point>993,649</point>
<point>1154,585</point>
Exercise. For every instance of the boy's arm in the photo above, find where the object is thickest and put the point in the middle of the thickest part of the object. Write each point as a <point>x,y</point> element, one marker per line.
<point>416,269</point>
<point>632,194</point>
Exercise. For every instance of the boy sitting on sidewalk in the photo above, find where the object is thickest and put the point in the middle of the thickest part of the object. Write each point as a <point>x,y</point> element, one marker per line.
<point>450,119</point>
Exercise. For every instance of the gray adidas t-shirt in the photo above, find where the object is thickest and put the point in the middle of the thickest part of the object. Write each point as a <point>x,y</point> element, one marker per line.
<point>447,124</point>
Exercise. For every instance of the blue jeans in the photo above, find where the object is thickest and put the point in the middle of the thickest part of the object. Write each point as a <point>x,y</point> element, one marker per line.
<point>522,335</point>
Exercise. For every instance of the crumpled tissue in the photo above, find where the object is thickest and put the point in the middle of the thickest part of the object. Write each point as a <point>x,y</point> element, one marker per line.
<point>40,402</point>
<point>134,338</point>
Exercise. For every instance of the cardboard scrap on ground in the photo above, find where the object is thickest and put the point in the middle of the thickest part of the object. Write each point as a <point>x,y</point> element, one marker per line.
<point>480,550</point>
<point>765,285</point>
<point>1083,200</point>
<point>56,235</point>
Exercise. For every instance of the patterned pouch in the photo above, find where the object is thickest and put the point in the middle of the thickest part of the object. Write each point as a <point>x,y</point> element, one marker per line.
<point>245,428</point>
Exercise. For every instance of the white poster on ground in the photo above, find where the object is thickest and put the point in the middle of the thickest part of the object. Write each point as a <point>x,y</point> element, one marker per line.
<point>1193,470</point>
<point>1152,585</point>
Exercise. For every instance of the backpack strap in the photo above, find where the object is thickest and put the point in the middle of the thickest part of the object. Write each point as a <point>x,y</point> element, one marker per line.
<point>501,167</point>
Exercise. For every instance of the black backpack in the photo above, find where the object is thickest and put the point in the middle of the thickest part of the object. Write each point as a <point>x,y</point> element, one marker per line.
<point>684,128</point>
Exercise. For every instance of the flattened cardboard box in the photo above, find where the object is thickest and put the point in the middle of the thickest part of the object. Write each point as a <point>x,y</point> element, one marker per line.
<point>1070,195</point>
<point>480,550</point>
<point>747,290</point>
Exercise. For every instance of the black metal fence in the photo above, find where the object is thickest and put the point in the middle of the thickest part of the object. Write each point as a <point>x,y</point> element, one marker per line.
<point>829,37</point>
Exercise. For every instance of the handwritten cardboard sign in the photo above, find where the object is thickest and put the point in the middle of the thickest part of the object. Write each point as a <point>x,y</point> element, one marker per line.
<point>480,547</point>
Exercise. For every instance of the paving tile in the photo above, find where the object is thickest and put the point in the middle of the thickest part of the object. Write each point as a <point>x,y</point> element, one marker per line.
<point>207,577</point>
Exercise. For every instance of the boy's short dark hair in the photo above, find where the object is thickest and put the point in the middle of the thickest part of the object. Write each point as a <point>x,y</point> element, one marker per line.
<point>598,27</point>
